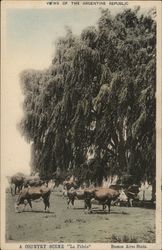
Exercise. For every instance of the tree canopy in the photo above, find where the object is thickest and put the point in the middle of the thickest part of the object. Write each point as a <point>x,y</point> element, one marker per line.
<point>97,97</point>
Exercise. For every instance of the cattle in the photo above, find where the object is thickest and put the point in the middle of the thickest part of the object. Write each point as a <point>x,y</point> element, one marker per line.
<point>67,185</point>
<point>73,195</point>
<point>77,194</point>
<point>122,199</point>
<point>33,193</point>
<point>103,195</point>
<point>16,180</point>
<point>32,181</point>
<point>132,192</point>
<point>127,195</point>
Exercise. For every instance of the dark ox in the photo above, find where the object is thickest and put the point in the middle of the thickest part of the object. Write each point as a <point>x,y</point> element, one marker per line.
<point>67,185</point>
<point>103,195</point>
<point>130,192</point>
<point>33,193</point>
<point>18,181</point>
<point>73,195</point>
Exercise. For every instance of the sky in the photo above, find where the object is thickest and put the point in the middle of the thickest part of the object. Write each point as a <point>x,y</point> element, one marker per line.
<point>29,44</point>
<point>30,37</point>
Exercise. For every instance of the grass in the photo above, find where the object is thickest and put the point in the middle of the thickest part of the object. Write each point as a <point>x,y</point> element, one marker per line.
<point>123,239</point>
<point>123,224</point>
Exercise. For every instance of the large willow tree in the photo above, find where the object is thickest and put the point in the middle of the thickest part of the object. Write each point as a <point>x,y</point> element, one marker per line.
<point>97,96</point>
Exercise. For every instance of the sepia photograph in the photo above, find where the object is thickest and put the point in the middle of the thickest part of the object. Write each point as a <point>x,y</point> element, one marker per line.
<point>81,125</point>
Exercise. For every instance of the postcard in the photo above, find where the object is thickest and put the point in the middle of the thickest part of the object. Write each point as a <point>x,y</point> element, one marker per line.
<point>81,124</point>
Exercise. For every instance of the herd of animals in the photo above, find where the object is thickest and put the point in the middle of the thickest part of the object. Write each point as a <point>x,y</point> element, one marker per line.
<point>32,188</point>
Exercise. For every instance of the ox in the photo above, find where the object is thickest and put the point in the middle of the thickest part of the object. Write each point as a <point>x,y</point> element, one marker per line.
<point>33,193</point>
<point>73,195</point>
<point>67,185</point>
<point>132,192</point>
<point>103,195</point>
<point>126,194</point>
<point>18,181</point>
<point>32,181</point>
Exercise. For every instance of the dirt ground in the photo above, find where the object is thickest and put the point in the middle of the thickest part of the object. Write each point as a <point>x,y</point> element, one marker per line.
<point>123,224</point>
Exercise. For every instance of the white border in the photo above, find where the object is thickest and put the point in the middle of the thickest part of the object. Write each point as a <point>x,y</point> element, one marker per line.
<point>42,4</point>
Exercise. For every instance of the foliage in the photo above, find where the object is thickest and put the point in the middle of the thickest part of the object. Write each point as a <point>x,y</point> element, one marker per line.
<point>98,94</point>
